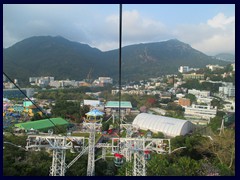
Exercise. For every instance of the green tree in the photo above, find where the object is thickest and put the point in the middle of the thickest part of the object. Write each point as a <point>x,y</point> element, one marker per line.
<point>192,97</point>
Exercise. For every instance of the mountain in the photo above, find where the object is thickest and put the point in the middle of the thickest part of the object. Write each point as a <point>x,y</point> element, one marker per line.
<point>61,58</point>
<point>226,57</point>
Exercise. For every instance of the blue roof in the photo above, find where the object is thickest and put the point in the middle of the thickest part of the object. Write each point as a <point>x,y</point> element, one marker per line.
<point>95,112</point>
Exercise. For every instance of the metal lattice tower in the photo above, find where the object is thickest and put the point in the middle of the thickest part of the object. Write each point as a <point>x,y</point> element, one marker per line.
<point>133,149</point>
<point>58,167</point>
<point>58,145</point>
<point>91,151</point>
<point>91,146</point>
<point>139,165</point>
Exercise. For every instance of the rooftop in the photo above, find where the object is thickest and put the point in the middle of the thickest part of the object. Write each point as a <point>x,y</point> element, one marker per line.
<point>42,124</point>
<point>115,104</point>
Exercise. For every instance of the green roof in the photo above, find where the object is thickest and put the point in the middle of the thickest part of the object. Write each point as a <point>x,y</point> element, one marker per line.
<point>27,103</point>
<point>115,104</point>
<point>42,124</point>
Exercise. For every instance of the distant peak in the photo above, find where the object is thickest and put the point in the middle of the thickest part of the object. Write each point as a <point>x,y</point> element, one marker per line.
<point>176,40</point>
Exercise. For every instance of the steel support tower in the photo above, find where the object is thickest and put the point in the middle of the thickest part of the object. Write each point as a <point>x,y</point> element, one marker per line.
<point>92,127</point>
<point>58,145</point>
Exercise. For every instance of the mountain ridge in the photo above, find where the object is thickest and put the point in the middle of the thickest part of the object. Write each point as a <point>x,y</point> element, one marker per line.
<point>62,58</point>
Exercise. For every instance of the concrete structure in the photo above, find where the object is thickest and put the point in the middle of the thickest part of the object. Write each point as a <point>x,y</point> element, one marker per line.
<point>206,100</point>
<point>228,91</point>
<point>8,85</point>
<point>229,107</point>
<point>113,107</point>
<point>199,93</point>
<point>180,95</point>
<point>200,112</point>
<point>92,103</point>
<point>183,69</point>
<point>41,81</point>
<point>105,80</point>
<point>170,127</point>
<point>102,81</point>
<point>193,76</point>
<point>165,95</point>
<point>214,67</point>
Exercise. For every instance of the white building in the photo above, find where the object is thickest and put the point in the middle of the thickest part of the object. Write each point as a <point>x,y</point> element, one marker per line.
<point>8,85</point>
<point>206,100</point>
<point>214,67</point>
<point>41,81</point>
<point>180,95</point>
<point>199,93</point>
<point>183,69</point>
<point>92,103</point>
<point>227,91</point>
<point>229,107</point>
<point>200,112</point>
<point>56,84</point>
<point>170,127</point>
<point>105,80</point>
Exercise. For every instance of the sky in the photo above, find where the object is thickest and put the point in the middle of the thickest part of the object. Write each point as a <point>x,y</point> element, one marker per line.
<point>209,28</point>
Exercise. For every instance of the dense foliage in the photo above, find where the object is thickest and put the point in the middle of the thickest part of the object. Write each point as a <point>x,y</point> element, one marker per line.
<point>197,156</point>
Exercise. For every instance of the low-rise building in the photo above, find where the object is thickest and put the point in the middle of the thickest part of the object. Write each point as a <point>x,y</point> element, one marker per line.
<point>165,95</point>
<point>183,69</point>
<point>41,81</point>
<point>228,91</point>
<point>113,107</point>
<point>193,76</point>
<point>200,112</point>
<point>199,93</point>
<point>214,67</point>
<point>92,103</point>
<point>205,100</point>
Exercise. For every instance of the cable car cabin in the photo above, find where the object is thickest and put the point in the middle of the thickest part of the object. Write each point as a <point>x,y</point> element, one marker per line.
<point>110,131</point>
<point>147,155</point>
<point>118,159</point>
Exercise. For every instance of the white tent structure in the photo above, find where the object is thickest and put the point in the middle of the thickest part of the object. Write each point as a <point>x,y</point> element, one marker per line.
<point>170,127</point>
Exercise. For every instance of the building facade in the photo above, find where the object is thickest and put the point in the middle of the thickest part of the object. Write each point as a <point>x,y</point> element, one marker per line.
<point>199,93</point>
<point>200,112</point>
<point>113,107</point>
<point>193,76</point>
<point>183,69</point>
<point>228,91</point>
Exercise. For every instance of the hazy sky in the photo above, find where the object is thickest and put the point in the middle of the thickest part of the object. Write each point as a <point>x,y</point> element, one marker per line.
<point>208,28</point>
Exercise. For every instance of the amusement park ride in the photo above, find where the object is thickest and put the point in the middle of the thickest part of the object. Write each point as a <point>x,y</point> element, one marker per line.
<point>132,149</point>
